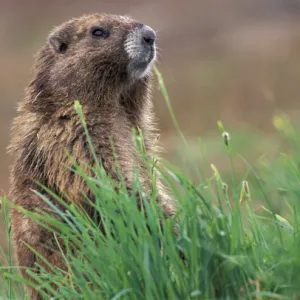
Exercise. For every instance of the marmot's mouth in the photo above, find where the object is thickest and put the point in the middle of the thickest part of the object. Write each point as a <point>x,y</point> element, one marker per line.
<point>140,48</point>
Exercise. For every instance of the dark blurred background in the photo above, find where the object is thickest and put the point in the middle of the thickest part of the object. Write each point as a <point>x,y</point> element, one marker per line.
<point>232,60</point>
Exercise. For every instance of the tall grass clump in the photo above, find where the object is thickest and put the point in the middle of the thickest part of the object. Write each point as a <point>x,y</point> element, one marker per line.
<point>234,240</point>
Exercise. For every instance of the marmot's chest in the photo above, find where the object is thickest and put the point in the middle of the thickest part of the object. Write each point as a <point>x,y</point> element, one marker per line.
<point>66,146</point>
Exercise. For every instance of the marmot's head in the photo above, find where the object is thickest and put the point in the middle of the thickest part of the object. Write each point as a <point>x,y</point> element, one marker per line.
<point>93,53</point>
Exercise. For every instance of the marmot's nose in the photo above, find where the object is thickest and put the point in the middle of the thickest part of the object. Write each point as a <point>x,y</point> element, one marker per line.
<point>148,35</point>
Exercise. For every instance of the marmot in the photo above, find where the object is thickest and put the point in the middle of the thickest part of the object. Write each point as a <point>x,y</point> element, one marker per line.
<point>104,61</point>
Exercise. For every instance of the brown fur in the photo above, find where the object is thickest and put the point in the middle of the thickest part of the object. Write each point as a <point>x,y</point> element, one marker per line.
<point>94,72</point>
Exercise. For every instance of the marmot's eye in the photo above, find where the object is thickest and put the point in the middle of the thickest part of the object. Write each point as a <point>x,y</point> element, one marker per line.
<point>100,33</point>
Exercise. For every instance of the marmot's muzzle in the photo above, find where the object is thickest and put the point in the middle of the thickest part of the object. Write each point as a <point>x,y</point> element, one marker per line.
<point>140,48</point>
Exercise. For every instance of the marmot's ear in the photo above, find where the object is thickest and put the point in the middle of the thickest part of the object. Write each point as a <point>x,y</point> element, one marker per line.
<point>59,39</point>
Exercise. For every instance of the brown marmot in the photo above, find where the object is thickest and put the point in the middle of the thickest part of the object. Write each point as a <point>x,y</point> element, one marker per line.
<point>105,61</point>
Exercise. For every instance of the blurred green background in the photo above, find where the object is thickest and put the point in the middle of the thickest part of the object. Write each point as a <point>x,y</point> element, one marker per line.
<point>232,60</point>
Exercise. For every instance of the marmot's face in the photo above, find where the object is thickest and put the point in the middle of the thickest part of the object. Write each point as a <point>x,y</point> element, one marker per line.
<point>105,47</point>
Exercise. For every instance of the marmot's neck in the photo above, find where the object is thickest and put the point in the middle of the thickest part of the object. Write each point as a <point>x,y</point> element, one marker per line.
<point>131,100</point>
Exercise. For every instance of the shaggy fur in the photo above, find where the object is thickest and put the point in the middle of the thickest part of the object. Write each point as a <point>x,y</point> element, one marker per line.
<point>100,73</point>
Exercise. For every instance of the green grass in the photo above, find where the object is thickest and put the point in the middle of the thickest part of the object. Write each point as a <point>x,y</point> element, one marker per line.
<point>237,239</point>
